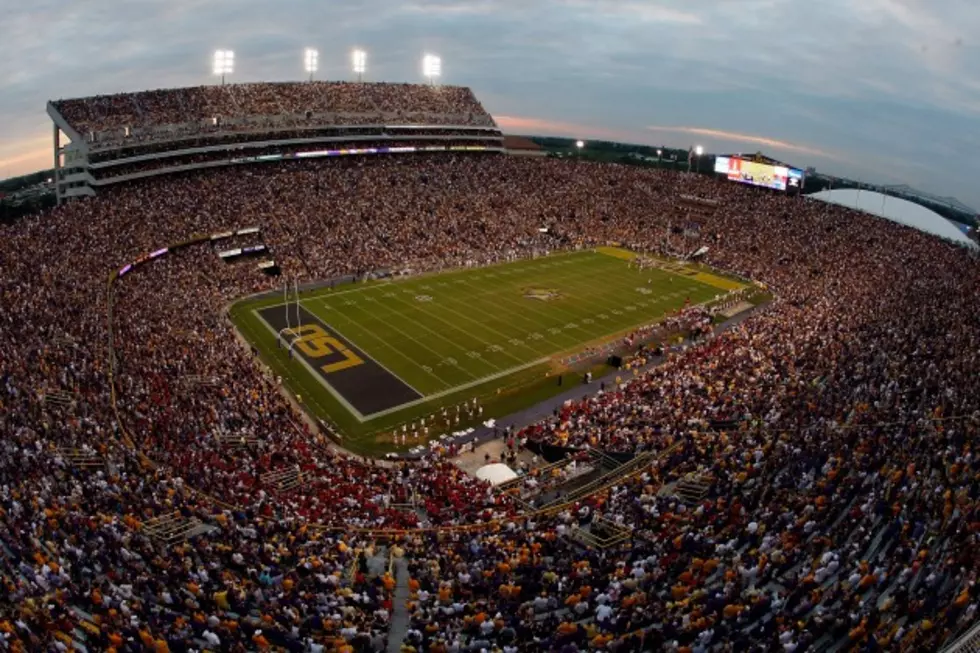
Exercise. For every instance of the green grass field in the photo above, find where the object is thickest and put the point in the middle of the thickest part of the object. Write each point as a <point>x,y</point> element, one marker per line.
<point>501,333</point>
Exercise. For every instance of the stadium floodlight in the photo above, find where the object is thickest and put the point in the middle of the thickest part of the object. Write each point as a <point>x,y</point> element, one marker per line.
<point>580,144</point>
<point>311,59</point>
<point>224,63</point>
<point>698,151</point>
<point>359,61</point>
<point>431,67</point>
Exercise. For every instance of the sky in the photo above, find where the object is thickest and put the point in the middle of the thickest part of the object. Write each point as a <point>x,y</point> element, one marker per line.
<point>887,91</point>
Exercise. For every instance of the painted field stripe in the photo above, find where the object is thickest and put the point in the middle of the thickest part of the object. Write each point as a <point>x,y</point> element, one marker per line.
<point>455,327</point>
<point>288,373</point>
<point>459,388</point>
<point>472,335</point>
<point>375,336</point>
<point>573,316</point>
<point>309,368</point>
<point>384,343</point>
<point>413,339</point>
<point>387,303</point>
<point>520,264</point>
<point>367,355</point>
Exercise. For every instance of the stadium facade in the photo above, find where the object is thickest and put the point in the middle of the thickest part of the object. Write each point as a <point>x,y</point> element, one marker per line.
<point>119,138</point>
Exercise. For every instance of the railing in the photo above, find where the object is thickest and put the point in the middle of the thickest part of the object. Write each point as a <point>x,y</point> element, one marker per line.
<point>79,458</point>
<point>602,534</point>
<point>968,642</point>
<point>237,441</point>
<point>171,528</point>
<point>607,480</point>
<point>283,480</point>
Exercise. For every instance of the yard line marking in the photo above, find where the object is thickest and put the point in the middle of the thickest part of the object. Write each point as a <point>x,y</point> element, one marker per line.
<point>452,326</point>
<point>366,354</point>
<point>384,342</point>
<point>459,388</point>
<point>530,306</point>
<point>309,368</point>
<point>442,304</point>
<point>416,341</point>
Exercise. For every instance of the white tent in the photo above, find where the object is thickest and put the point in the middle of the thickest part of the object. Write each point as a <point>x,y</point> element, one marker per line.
<point>496,473</point>
<point>895,209</point>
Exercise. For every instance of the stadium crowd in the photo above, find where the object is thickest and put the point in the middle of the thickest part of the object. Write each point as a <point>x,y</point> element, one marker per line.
<point>832,431</point>
<point>114,120</point>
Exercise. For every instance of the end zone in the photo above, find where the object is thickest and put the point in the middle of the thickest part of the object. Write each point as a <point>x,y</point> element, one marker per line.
<point>355,379</point>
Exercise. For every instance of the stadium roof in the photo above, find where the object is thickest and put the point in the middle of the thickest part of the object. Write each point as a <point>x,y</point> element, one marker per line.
<point>895,209</point>
<point>952,202</point>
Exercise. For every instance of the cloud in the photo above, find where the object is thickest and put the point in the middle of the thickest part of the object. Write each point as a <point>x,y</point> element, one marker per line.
<point>26,155</point>
<point>527,125</point>
<point>735,137</point>
<point>870,81</point>
<point>634,12</point>
<point>449,8</point>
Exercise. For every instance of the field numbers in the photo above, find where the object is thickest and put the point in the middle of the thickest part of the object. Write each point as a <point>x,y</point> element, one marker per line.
<point>644,291</point>
<point>450,361</point>
<point>316,343</point>
<point>495,348</point>
<point>571,325</point>
<point>554,331</point>
<point>423,298</point>
<point>630,308</point>
<point>516,342</point>
<point>587,320</point>
<point>602,316</point>
<point>474,354</point>
<point>616,311</point>
<point>535,336</point>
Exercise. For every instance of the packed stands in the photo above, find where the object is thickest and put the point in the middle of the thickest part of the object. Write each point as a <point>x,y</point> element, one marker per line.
<point>121,138</point>
<point>158,492</point>
<point>109,119</point>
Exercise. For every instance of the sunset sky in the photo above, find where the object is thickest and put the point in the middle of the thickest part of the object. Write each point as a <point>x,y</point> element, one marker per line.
<point>885,90</point>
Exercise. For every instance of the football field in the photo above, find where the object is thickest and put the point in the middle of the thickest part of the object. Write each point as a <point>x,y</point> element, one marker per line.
<point>370,356</point>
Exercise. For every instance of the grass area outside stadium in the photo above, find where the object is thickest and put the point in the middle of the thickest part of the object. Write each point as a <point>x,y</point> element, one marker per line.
<point>371,358</point>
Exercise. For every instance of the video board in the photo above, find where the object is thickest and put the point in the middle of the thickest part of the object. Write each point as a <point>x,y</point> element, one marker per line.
<point>757,173</point>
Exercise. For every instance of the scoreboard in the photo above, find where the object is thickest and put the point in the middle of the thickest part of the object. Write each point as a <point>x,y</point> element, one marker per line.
<point>757,173</point>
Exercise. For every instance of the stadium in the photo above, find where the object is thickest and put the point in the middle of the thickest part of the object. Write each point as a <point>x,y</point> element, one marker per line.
<point>325,366</point>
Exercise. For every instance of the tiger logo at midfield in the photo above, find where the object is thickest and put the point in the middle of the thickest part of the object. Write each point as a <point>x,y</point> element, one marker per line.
<point>542,294</point>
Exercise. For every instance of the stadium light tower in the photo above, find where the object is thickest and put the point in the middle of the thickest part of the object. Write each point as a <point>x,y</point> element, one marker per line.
<point>431,67</point>
<point>224,63</point>
<point>311,59</point>
<point>359,61</point>
<point>698,151</point>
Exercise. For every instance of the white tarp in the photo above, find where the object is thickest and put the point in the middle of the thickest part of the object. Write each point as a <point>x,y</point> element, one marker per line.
<point>895,209</point>
<point>496,473</point>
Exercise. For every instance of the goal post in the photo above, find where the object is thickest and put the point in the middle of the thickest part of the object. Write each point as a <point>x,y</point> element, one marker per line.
<point>296,326</point>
